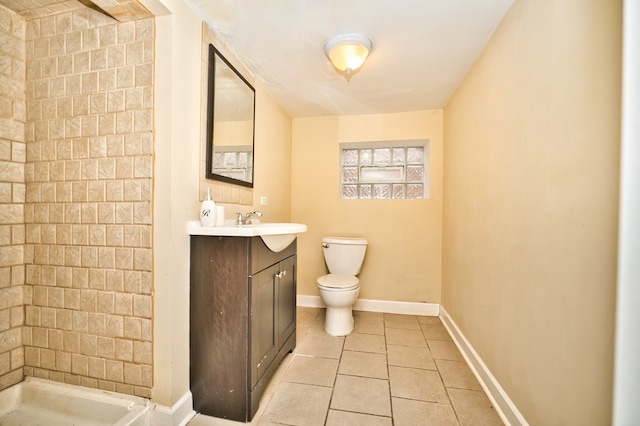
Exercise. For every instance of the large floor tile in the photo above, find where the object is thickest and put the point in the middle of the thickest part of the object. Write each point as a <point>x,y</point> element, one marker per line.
<point>364,364</point>
<point>368,322</point>
<point>298,404</point>
<point>457,374</point>
<point>431,384</point>
<point>321,345</point>
<point>435,332</point>
<point>345,418</point>
<point>408,322</point>
<point>425,319</point>
<point>444,349</point>
<point>202,420</point>
<point>362,395</point>
<point>412,383</point>
<point>410,356</point>
<point>312,370</point>
<point>407,412</point>
<point>365,343</point>
<point>306,315</point>
<point>405,337</point>
<point>278,375</point>
<point>473,408</point>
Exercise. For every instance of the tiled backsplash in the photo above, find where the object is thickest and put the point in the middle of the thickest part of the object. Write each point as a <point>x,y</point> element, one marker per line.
<point>88,100</point>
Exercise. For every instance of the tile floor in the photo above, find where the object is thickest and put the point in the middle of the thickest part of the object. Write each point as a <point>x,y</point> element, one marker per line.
<point>392,370</point>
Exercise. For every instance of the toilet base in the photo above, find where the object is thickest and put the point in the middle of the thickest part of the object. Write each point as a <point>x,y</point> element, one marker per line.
<point>338,316</point>
<point>339,321</point>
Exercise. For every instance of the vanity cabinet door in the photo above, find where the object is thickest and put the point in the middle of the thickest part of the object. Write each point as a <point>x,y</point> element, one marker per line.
<point>243,318</point>
<point>286,299</point>
<point>263,321</point>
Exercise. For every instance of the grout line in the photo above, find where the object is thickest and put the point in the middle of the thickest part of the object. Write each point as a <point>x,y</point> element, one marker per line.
<point>386,354</point>
<point>335,379</point>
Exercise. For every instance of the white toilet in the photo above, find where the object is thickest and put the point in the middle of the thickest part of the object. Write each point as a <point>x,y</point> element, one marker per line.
<point>339,289</point>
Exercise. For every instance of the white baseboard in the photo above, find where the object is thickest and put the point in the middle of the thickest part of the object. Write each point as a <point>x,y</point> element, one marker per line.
<point>179,414</point>
<point>369,305</point>
<point>309,301</point>
<point>506,409</point>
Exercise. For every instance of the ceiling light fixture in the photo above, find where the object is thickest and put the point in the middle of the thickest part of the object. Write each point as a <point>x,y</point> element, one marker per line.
<point>347,52</point>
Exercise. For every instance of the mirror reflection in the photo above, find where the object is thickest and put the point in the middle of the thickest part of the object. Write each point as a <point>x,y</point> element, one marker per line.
<point>230,123</point>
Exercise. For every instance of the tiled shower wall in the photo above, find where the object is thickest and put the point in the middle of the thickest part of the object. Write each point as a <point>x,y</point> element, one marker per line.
<point>88,174</point>
<point>12,195</point>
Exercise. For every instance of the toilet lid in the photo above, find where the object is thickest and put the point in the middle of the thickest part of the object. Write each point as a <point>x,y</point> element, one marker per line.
<point>338,281</point>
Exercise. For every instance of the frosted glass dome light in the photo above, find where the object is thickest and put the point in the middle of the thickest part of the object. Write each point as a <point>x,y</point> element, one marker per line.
<point>347,52</point>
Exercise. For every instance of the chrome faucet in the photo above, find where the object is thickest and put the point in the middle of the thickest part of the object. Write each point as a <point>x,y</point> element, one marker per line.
<point>246,219</point>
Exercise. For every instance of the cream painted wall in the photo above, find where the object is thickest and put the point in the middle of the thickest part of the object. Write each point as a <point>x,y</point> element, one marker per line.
<point>403,260</point>
<point>272,160</point>
<point>178,177</point>
<point>175,195</point>
<point>272,150</point>
<point>530,211</point>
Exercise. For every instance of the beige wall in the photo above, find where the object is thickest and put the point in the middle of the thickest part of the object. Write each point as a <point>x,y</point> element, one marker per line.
<point>272,151</point>
<point>179,180</point>
<point>530,211</point>
<point>403,260</point>
<point>12,196</point>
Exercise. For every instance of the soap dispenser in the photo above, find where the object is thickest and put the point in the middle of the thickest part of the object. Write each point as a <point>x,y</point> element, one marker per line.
<point>208,211</point>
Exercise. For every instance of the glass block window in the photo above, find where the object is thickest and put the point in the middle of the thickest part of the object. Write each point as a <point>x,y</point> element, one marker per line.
<point>384,170</point>
<point>233,162</point>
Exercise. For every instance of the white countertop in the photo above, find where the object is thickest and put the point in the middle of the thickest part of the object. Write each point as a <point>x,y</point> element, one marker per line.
<point>253,230</point>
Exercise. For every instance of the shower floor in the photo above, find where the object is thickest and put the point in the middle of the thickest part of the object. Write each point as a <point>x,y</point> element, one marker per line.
<point>42,402</point>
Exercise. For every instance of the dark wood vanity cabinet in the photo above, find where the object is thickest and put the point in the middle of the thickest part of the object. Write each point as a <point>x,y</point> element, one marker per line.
<point>243,321</point>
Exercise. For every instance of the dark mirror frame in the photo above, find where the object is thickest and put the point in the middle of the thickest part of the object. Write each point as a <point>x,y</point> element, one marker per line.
<point>214,56</point>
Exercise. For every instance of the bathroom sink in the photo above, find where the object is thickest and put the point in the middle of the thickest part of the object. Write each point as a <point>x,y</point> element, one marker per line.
<point>277,236</point>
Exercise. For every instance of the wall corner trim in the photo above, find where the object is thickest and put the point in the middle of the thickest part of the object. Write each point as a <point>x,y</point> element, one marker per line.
<point>505,408</point>
<point>179,414</point>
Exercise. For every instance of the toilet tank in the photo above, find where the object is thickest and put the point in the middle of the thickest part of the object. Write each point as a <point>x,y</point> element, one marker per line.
<point>344,255</point>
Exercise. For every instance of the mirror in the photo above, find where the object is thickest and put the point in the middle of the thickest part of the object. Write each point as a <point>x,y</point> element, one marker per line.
<point>230,123</point>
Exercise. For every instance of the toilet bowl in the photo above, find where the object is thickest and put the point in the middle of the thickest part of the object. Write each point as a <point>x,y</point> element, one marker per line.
<point>340,288</point>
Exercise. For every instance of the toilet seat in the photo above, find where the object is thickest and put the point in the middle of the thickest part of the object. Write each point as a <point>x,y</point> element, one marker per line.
<point>338,282</point>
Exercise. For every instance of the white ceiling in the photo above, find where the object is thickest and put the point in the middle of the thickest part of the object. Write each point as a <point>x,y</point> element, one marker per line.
<point>422,49</point>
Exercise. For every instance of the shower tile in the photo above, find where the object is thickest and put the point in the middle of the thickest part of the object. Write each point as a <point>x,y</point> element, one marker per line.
<point>361,395</point>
